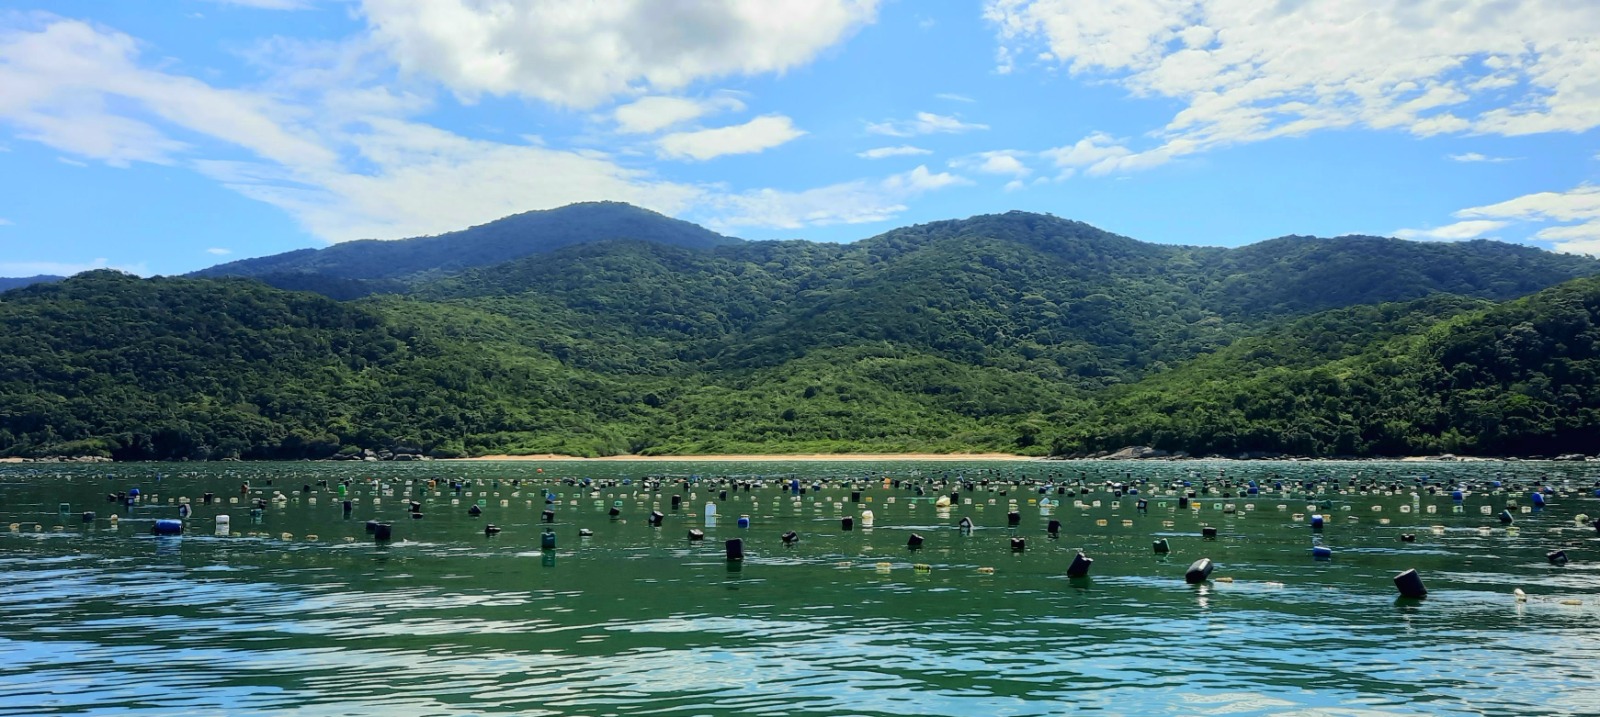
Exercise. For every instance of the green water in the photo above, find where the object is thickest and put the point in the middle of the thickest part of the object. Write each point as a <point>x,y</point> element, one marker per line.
<point>101,618</point>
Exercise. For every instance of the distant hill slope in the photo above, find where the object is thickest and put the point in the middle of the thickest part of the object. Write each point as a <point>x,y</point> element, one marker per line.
<point>498,241</point>
<point>8,283</point>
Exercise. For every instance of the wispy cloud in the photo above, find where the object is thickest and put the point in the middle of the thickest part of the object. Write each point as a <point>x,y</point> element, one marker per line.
<point>953,97</point>
<point>1476,157</point>
<point>218,251</point>
<point>652,114</point>
<point>904,150</point>
<point>269,4</point>
<point>1470,229</point>
<point>759,134</point>
<point>855,202</point>
<point>55,268</point>
<point>924,123</point>
<point>4,222</point>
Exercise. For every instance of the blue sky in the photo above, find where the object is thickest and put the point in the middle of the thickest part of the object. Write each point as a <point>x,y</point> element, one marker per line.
<point>163,136</point>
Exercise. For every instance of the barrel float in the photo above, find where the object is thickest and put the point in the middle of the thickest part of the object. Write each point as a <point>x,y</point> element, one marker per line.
<point>1013,519</point>
<point>1537,499</point>
<point>867,518</point>
<point>966,525</point>
<point>1053,529</point>
<point>677,502</point>
<point>696,534</point>
<point>88,516</point>
<point>1080,566</point>
<point>473,511</point>
<point>790,537</point>
<point>615,511</point>
<point>207,498</point>
<point>1505,517</point>
<point>1557,558</point>
<point>855,496</point>
<point>348,506</point>
<point>585,533</point>
<point>1019,544</point>
<point>734,549</point>
<point>372,526</point>
<point>847,523</point>
<point>1161,547</point>
<point>1208,532</point>
<point>547,541</point>
<point>655,518</point>
<point>1408,538</point>
<point>491,529</point>
<point>1457,496</point>
<point>382,532</point>
<point>1322,552</point>
<point>1142,506</point>
<point>1183,502</point>
<point>167,527</point>
<point>914,542</point>
<point>1409,583</point>
<point>1316,521</point>
<point>548,516</point>
<point>1199,571</point>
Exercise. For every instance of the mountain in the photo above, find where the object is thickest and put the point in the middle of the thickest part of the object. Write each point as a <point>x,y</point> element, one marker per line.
<point>9,283</point>
<point>498,241</point>
<point>1012,332</point>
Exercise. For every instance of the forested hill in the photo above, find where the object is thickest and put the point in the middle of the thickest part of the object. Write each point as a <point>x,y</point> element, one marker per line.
<point>498,241</point>
<point>1017,332</point>
<point>8,283</point>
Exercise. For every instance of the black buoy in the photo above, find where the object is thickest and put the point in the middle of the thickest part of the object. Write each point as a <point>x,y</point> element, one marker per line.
<point>1183,502</point>
<point>655,518</point>
<point>677,502</point>
<point>372,526</point>
<point>1409,583</point>
<point>615,511</point>
<point>1161,546</point>
<point>1080,566</point>
<point>965,525</point>
<point>1013,519</point>
<point>585,533</point>
<point>474,510</point>
<point>1408,538</point>
<point>855,496</point>
<point>491,529</point>
<point>735,548</point>
<point>383,532</point>
<point>1142,506</point>
<point>847,523</point>
<point>348,506</point>
<point>1505,517</point>
<point>1019,544</point>
<point>697,534</point>
<point>547,541</point>
<point>88,516</point>
<point>914,542</point>
<point>1054,529</point>
<point>548,516</point>
<point>1209,533</point>
<point>1557,558</point>
<point>207,498</point>
<point>1199,572</point>
<point>790,538</point>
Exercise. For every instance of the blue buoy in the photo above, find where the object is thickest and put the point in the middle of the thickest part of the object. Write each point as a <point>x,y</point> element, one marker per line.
<point>1080,566</point>
<point>167,527</point>
<point>184,511</point>
<point>1457,496</point>
<point>1409,583</point>
<point>1316,521</point>
<point>1505,517</point>
<point>548,540</point>
<point>1198,572</point>
<point>1321,552</point>
<point>1537,498</point>
<point>744,521</point>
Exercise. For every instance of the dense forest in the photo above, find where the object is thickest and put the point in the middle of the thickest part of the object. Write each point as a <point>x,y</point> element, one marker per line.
<point>605,329</point>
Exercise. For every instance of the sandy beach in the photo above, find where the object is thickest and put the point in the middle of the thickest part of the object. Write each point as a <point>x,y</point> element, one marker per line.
<point>782,457</point>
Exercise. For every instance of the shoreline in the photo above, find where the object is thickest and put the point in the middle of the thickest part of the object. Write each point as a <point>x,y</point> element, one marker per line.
<point>768,457</point>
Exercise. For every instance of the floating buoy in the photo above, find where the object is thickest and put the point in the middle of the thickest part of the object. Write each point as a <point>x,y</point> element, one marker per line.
<point>1013,519</point>
<point>1199,571</point>
<point>1321,552</point>
<point>474,510</point>
<point>847,523</point>
<point>655,518</point>
<point>1505,517</point>
<point>1053,529</point>
<point>914,542</point>
<point>167,527</point>
<point>1557,558</point>
<point>1408,538</point>
<point>1521,596</point>
<point>735,549</point>
<point>547,541</point>
<point>966,525</point>
<point>491,529</point>
<point>790,537</point>
<point>866,519</point>
<point>985,571</point>
<point>922,568</point>
<point>88,516</point>
<point>1161,546</point>
<point>1080,566</point>
<point>1409,583</point>
<point>1537,499</point>
<point>1316,521</point>
<point>1019,544</point>
<point>1208,532</point>
<point>382,532</point>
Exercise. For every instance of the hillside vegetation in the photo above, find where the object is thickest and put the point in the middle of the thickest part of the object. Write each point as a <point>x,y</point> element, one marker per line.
<point>1015,332</point>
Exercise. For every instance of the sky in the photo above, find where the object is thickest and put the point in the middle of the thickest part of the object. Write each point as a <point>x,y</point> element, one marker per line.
<point>164,136</point>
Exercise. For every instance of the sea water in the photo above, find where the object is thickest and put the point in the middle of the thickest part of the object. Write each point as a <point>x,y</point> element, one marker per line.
<point>298,611</point>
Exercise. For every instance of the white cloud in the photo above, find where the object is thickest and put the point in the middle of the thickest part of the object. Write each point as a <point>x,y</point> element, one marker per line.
<point>218,251</point>
<point>1476,157</point>
<point>1571,218</point>
<point>580,54</point>
<point>759,134</point>
<point>1003,161</point>
<point>923,123</point>
<point>904,150</point>
<point>653,114</point>
<point>953,97</point>
<point>854,202</point>
<point>4,222</point>
<point>1247,71</point>
<point>1470,229</point>
<point>56,268</point>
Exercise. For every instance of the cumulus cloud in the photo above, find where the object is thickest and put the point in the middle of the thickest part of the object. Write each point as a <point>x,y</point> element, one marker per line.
<point>581,54</point>
<point>923,123</point>
<point>647,115</point>
<point>1570,220</point>
<point>1470,229</point>
<point>1246,71</point>
<point>1004,162</point>
<point>855,202</point>
<point>759,134</point>
<point>904,150</point>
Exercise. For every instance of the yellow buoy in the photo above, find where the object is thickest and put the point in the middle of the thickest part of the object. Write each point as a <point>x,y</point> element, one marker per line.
<point>985,571</point>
